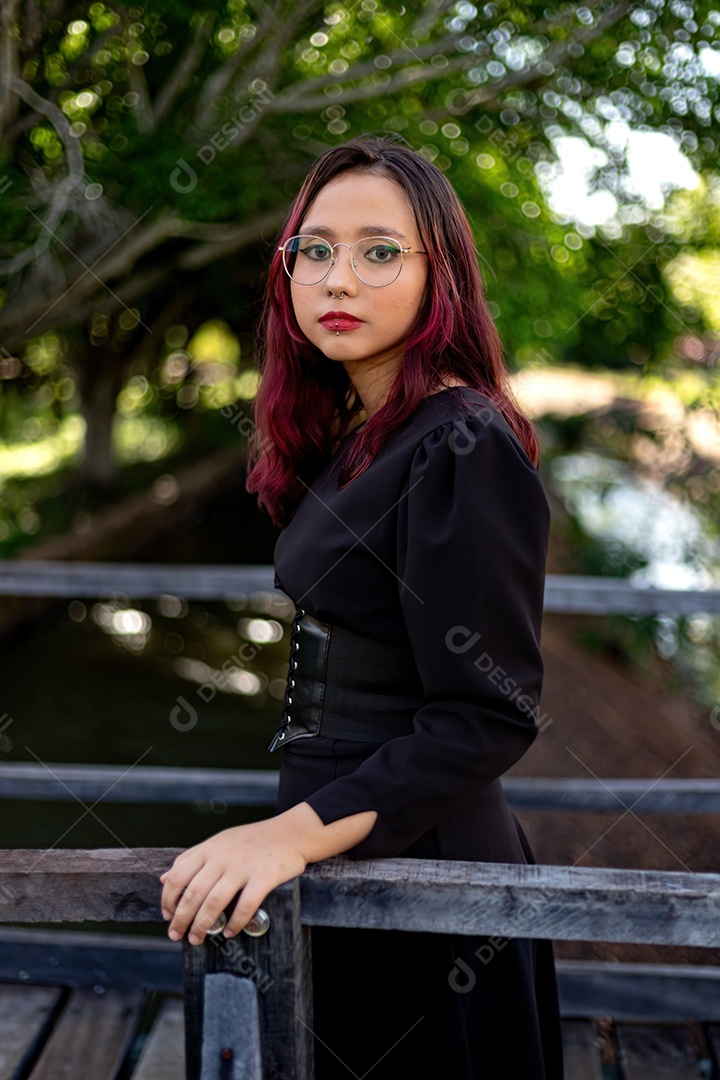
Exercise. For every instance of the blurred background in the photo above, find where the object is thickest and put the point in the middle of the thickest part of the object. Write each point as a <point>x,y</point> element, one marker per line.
<point>149,155</point>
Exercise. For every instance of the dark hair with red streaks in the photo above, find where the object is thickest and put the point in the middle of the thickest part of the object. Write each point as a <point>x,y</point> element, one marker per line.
<point>305,402</point>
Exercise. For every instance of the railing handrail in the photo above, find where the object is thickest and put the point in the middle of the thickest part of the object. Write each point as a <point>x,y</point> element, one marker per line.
<point>564,593</point>
<point>60,782</point>
<point>439,896</point>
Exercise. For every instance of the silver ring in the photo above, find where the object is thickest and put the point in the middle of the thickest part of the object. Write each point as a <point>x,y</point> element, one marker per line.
<point>258,925</point>
<point>219,925</point>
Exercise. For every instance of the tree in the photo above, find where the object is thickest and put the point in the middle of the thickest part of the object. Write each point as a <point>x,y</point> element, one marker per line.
<point>144,146</point>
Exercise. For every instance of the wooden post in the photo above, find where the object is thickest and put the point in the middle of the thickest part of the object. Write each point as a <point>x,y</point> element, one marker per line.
<point>278,966</point>
<point>231,1029</point>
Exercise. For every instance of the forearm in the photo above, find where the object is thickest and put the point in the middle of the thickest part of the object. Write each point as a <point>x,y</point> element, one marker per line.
<point>318,841</point>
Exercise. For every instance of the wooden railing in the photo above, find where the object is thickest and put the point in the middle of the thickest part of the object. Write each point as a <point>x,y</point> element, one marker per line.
<point>261,987</point>
<point>251,998</point>
<point>58,782</point>
<point>563,594</point>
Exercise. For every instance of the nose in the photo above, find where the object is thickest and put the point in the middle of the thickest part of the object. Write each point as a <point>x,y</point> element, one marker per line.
<point>341,275</point>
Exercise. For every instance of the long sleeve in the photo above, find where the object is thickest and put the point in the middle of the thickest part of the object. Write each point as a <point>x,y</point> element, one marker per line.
<point>472,543</point>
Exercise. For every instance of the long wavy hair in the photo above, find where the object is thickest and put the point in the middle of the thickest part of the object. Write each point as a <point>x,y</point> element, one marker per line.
<point>305,402</point>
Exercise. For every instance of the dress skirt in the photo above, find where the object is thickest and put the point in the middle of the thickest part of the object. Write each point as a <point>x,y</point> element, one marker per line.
<point>408,1005</point>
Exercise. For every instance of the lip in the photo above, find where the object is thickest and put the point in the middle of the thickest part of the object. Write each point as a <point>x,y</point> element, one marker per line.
<point>340,320</point>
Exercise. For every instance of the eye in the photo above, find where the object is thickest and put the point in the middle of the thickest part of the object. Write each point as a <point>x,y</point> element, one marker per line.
<point>316,252</point>
<point>382,253</point>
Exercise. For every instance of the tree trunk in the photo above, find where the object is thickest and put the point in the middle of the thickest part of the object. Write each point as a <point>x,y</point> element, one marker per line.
<point>101,372</point>
<point>101,380</point>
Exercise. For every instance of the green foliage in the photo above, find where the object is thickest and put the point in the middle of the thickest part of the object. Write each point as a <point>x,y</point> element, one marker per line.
<point>196,125</point>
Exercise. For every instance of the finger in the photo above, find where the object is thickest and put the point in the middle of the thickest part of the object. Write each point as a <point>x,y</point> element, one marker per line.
<point>177,879</point>
<point>251,898</point>
<point>178,858</point>
<point>215,902</point>
<point>165,913</point>
<point>171,897</point>
<point>190,901</point>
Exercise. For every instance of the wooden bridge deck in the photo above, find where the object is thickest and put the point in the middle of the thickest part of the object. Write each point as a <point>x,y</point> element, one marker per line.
<point>52,1032</point>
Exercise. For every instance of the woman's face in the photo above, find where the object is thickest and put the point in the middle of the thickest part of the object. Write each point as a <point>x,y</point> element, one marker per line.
<point>347,205</point>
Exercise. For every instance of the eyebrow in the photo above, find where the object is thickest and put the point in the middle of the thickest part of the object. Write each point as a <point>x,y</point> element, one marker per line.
<point>365,230</point>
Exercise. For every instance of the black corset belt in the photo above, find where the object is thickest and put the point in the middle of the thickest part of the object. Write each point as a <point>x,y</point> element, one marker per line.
<point>346,685</point>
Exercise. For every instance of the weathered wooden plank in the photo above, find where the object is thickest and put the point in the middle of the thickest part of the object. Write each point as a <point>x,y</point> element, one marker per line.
<point>198,962</point>
<point>107,884</point>
<point>581,1050</point>
<point>144,783</point>
<point>566,903</point>
<point>278,963</point>
<point>38,577</point>
<point>26,1015</point>
<point>91,1037</point>
<point>657,992</point>
<point>679,796</point>
<point>163,1057</point>
<point>258,787</point>
<point>516,900</point>
<point>654,1052</point>
<point>580,594</point>
<point>586,595</point>
<point>231,1029</point>
<point>77,958</point>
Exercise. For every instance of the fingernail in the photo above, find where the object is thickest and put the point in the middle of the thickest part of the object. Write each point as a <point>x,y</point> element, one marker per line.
<point>174,934</point>
<point>194,939</point>
<point>166,914</point>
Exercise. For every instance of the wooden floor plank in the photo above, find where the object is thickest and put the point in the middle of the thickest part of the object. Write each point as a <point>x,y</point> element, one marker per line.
<point>581,1050</point>
<point>25,1012</point>
<point>163,1055</point>
<point>656,1052</point>
<point>91,1036</point>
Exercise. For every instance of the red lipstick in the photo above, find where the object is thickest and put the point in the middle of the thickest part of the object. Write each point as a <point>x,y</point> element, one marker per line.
<point>340,320</point>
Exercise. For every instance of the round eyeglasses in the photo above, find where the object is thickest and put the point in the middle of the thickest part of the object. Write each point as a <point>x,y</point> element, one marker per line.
<point>309,259</point>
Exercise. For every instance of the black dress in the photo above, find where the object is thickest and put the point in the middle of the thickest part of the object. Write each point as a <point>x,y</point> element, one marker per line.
<point>439,545</point>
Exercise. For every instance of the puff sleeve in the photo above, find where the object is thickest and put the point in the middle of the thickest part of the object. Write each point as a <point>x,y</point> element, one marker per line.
<point>472,543</point>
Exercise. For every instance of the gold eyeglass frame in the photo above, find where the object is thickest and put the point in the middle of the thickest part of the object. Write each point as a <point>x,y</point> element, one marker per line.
<point>353,263</point>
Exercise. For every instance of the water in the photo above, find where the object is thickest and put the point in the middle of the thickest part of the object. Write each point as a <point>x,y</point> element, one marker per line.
<point>638,520</point>
<point>654,539</point>
<point>102,684</point>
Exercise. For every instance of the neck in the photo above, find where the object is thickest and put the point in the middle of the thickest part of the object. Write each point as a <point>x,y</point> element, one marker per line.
<point>373,380</point>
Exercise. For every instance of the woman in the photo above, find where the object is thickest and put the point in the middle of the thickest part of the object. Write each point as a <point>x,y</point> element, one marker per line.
<point>413,546</point>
